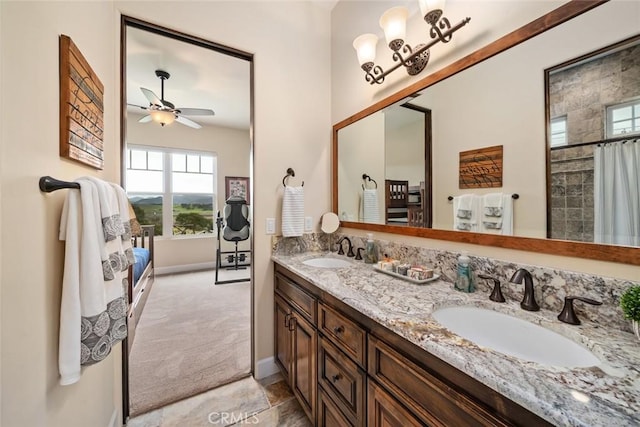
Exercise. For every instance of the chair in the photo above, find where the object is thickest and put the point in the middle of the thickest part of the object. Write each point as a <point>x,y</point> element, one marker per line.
<point>396,199</point>
<point>234,227</point>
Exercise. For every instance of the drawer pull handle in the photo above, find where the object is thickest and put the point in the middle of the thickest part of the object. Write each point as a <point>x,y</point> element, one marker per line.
<point>336,378</point>
<point>338,329</point>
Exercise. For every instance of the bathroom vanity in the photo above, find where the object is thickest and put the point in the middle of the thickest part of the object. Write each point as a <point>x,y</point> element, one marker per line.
<point>362,348</point>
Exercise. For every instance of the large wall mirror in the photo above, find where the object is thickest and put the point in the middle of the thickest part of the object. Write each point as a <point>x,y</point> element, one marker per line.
<point>186,166</point>
<point>493,97</point>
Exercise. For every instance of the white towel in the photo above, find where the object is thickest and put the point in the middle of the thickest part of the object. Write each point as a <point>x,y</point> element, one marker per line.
<point>93,307</point>
<point>293,211</point>
<point>466,212</point>
<point>497,214</point>
<point>370,213</point>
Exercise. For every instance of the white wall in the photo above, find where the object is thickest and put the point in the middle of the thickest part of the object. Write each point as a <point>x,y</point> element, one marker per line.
<point>32,256</point>
<point>232,147</point>
<point>404,149</point>
<point>290,41</point>
<point>362,152</point>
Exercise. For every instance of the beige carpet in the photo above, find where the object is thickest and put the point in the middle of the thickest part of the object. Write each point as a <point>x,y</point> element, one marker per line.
<point>193,336</point>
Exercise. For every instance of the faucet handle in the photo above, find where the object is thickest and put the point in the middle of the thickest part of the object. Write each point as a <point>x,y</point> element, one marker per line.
<point>496,294</point>
<point>567,315</point>
<point>359,253</point>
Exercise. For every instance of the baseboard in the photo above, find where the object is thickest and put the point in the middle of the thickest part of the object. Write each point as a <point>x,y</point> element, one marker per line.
<point>185,268</point>
<point>114,419</point>
<point>266,367</point>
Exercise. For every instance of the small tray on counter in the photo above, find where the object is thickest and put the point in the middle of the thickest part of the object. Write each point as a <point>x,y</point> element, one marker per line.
<point>407,278</point>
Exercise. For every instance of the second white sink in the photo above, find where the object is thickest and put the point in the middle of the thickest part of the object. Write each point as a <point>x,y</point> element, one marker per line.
<point>515,337</point>
<point>326,262</point>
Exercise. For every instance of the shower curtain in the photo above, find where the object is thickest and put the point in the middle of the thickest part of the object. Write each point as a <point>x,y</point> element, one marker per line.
<point>617,193</point>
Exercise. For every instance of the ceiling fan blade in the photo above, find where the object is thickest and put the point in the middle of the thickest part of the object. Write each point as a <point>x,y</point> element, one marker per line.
<point>187,122</point>
<point>137,106</point>
<point>145,119</point>
<point>196,112</point>
<point>153,99</point>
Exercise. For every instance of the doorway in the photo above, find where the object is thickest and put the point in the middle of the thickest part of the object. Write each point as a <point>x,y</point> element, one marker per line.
<point>186,126</point>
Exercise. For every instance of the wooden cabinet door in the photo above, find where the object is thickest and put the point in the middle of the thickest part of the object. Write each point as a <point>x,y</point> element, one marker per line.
<point>304,340</point>
<point>282,316</point>
<point>385,411</point>
<point>328,413</point>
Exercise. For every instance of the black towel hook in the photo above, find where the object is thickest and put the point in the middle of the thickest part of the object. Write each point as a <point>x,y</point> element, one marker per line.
<point>290,172</point>
<point>366,177</point>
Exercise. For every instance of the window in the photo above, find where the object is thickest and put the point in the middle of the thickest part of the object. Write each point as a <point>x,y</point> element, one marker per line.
<point>172,189</point>
<point>559,131</point>
<point>623,119</point>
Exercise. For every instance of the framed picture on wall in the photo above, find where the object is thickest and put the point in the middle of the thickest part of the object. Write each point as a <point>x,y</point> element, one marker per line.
<point>237,186</point>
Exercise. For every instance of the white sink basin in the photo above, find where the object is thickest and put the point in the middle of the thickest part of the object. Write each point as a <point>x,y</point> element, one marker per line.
<point>327,262</point>
<point>515,337</point>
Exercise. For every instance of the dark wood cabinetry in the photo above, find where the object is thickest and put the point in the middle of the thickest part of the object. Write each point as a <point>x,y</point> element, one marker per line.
<point>348,370</point>
<point>296,344</point>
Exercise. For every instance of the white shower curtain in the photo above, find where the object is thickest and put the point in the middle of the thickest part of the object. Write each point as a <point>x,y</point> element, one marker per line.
<point>617,193</point>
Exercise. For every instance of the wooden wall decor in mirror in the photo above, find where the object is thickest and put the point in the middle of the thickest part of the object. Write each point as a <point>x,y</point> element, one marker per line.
<point>502,66</point>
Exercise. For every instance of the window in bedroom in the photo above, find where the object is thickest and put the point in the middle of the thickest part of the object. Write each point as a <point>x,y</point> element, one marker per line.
<point>172,189</point>
<point>623,119</point>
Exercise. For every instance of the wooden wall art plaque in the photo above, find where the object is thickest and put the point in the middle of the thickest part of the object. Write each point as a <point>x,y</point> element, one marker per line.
<point>481,168</point>
<point>81,108</point>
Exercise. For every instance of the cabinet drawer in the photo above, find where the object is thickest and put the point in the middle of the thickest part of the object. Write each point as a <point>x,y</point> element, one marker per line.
<point>347,335</point>
<point>425,395</point>
<point>342,380</point>
<point>328,413</point>
<point>299,299</point>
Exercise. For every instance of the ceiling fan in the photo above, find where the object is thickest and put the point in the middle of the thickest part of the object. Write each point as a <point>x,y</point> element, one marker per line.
<point>164,112</point>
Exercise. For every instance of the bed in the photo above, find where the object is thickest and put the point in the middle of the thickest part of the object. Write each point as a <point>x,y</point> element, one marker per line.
<point>140,278</point>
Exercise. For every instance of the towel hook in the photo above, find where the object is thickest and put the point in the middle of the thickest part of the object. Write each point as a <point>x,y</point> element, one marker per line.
<point>367,177</point>
<point>290,172</point>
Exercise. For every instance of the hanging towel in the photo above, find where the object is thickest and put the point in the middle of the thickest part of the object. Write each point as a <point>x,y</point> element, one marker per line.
<point>465,212</point>
<point>370,212</point>
<point>93,306</point>
<point>293,211</point>
<point>497,214</point>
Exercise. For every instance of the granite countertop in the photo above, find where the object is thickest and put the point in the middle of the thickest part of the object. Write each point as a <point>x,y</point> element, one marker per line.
<point>603,395</point>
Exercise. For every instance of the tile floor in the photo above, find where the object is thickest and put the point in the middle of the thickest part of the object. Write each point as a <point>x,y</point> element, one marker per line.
<point>268,403</point>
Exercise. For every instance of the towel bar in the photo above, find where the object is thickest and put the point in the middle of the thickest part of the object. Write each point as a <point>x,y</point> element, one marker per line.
<point>48,184</point>
<point>514,196</point>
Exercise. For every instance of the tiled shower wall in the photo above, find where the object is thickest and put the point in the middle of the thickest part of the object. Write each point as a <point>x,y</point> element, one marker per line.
<point>572,193</point>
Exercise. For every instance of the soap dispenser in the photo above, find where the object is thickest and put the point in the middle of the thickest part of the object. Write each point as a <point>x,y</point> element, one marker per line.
<point>464,277</point>
<point>370,250</point>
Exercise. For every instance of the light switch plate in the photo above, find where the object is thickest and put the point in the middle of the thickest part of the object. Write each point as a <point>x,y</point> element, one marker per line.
<point>271,226</point>
<point>308,223</point>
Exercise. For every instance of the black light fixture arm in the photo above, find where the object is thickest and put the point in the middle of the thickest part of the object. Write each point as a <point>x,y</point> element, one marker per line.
<point>375,73</point>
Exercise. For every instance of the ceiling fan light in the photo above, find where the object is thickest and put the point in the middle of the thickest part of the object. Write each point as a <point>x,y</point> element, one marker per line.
<point>163,117</point>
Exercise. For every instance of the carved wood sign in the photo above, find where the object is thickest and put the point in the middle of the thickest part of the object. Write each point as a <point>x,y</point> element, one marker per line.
<point>81,108</point>
<point>481,168</point>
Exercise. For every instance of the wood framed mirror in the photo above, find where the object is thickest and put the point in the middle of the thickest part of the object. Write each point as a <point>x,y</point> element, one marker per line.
<point>536,243</point>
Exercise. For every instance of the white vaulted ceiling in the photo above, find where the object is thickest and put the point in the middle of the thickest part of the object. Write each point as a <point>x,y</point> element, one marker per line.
<point>200,78</point>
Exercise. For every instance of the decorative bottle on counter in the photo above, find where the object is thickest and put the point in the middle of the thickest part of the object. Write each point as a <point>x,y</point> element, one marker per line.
<point>464,277</point>
<point>370,250</point>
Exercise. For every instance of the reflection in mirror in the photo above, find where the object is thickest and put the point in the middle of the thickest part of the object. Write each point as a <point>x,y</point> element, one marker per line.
<point>492,97</point>
<point>593,132</point>
<point>391,147</point>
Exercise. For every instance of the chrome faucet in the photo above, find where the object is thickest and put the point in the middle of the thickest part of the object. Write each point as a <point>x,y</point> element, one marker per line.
<point>529,301</point>
<point>341,250</point>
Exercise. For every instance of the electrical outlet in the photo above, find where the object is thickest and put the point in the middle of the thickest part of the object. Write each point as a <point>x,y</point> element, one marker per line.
<point>308,223</point>
<point>271,226</point>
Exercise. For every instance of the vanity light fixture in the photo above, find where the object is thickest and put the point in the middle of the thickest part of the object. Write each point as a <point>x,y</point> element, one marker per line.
<point>162,117</point>
<point>393,22</point>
